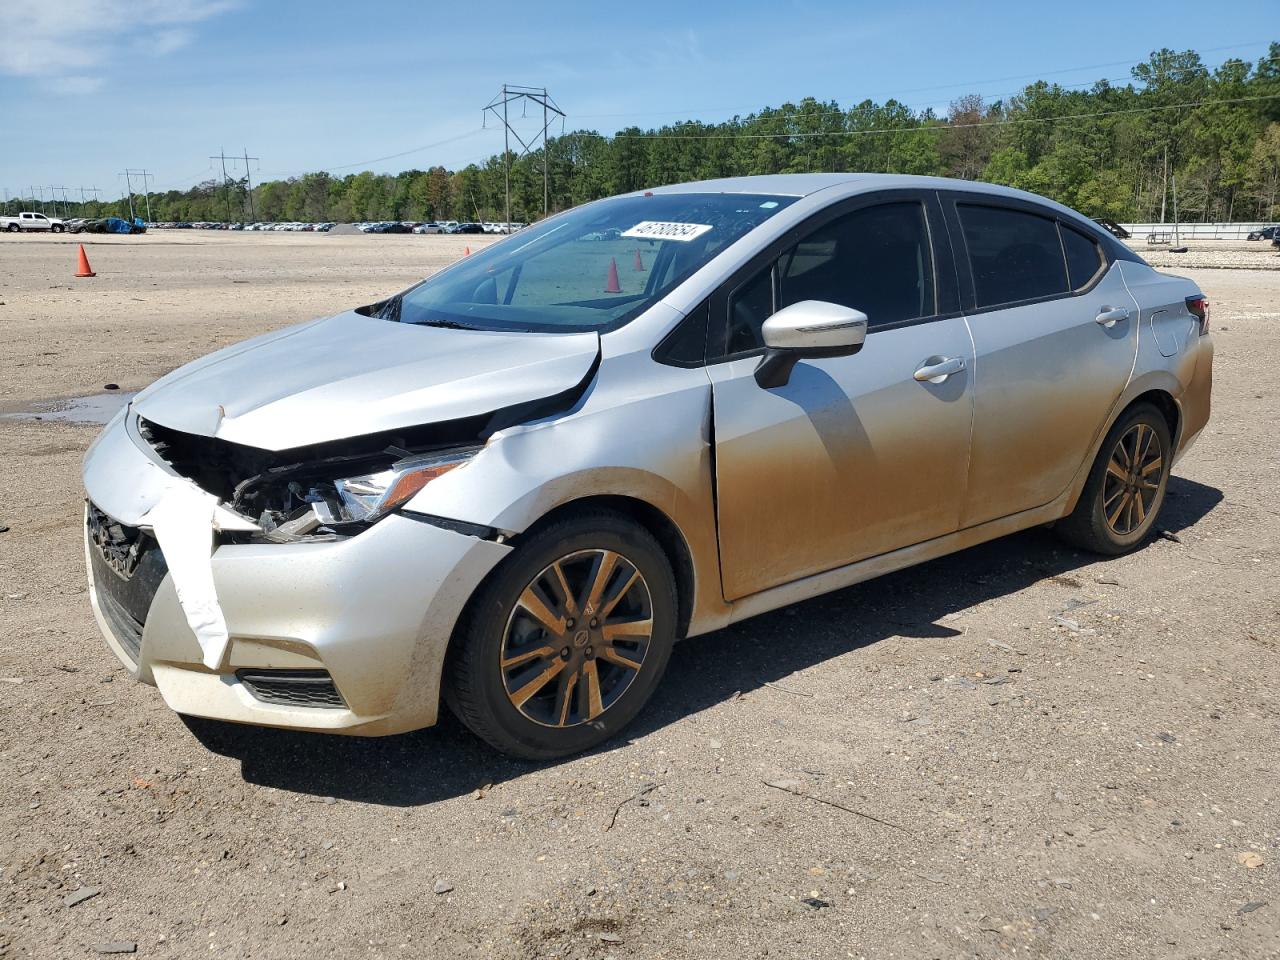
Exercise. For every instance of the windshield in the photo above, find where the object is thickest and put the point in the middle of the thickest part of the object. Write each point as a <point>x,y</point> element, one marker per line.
<point>592,268</point>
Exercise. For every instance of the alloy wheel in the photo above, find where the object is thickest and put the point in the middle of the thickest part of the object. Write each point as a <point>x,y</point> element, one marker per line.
<point>1132,481</point>
<point>576,638</point>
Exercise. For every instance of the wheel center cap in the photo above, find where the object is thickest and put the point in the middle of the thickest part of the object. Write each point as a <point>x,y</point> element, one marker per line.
<point>580,638</point>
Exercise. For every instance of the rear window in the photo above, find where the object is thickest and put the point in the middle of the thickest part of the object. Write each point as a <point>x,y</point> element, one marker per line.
<point>1014,255</point>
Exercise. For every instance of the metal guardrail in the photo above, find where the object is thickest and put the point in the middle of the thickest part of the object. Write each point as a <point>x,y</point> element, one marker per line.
<point>1195,231</point>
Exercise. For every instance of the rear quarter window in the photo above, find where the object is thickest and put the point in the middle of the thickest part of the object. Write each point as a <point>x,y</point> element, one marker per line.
<point>1014,255</point>
<point>1084,256</point>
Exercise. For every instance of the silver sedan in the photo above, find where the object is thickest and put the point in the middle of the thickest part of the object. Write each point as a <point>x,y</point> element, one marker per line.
<point>513,486</point>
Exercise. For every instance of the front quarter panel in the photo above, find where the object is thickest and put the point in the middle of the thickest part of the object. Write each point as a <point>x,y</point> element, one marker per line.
<point>641,432</point>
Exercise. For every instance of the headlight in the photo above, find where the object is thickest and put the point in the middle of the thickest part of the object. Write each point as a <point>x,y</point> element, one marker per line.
<point>374,495</point>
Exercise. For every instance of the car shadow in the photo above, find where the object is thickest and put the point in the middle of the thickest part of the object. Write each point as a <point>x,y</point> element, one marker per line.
<point>446,761</point>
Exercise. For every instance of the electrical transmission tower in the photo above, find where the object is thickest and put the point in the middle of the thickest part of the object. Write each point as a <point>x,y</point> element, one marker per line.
<point>499,107</point>
<point>84,202</point>
<point>53,198</point>
<point>222,156</point>
<point>128,175</point>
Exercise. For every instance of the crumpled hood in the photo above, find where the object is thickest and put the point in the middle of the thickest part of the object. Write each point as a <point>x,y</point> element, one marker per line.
<point>350,375</point>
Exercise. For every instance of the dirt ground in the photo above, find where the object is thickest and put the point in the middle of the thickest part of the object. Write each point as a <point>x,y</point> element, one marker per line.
<point>1019,750</point>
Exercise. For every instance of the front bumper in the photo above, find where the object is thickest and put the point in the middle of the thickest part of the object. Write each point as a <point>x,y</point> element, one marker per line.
<point>375,611</point>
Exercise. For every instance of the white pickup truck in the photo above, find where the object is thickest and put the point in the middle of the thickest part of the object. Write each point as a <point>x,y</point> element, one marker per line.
<point>31,221</point>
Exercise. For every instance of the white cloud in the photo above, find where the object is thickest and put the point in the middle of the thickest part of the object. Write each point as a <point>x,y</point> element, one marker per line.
<point>72,85</point>
<point>65,43</point>
<point>167,41</point>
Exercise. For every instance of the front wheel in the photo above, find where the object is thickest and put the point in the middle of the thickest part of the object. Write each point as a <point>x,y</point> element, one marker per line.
<point>566,642</point>
<point>57,228</point>
<point>1126,486</point>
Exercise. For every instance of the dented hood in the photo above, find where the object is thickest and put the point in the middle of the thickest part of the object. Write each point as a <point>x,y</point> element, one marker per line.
<point>351,375</point>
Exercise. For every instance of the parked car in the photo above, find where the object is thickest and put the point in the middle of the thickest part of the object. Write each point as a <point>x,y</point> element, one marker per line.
<point>431,227</point>
<point>1266,233</point>
<point>30,222</point>
<point>514,485</point>
<point>466,228</point>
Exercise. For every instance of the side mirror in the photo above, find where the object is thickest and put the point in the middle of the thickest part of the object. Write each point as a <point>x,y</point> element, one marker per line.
<point>810,328</point>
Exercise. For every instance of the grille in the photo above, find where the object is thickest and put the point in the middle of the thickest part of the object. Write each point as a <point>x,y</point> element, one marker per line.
<point>128,567</point>
<point>292,688</point>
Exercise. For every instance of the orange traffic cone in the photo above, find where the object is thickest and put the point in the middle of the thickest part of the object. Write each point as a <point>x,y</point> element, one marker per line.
<point>466,251</point>
<point>82,268</point>
<point>611,285</point>
<point>639,266</point>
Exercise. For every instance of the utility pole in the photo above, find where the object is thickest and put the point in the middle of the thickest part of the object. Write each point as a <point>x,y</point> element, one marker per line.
<point>1164,190</point>
<point>509,94</point>
<point>1177,241</point>
<point>223,158</point>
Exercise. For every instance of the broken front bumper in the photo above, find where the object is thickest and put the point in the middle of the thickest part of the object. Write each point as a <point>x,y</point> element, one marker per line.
<point>345,635</point>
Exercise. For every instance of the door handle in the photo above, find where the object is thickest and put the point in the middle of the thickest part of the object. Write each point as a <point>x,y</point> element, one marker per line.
<point>937,369</point>
<point>1110,316</point>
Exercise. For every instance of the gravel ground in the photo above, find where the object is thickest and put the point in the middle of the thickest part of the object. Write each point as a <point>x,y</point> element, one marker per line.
<point>1211,254</point>
<point>1017,750</point>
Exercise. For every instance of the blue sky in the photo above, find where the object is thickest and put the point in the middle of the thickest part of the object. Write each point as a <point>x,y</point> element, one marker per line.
<point>89,87</point>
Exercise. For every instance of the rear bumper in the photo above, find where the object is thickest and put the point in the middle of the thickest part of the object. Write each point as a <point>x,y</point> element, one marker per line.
<point>1197,400</point>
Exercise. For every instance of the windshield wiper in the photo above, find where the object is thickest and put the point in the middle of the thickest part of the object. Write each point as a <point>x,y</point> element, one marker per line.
<point>447,324</point>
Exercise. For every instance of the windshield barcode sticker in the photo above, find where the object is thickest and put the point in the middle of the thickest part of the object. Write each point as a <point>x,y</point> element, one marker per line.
<point>666,230</point>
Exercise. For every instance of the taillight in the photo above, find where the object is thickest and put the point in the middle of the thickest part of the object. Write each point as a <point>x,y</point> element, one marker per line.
<point>1199,306</point>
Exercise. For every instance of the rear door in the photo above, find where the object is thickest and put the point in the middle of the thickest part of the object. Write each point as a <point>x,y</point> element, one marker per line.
<point>1055,337</point>
<point>854,456</point>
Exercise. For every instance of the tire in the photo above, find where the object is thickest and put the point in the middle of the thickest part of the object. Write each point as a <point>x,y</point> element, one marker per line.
<point>14,228</point>
<point>56,229</point>
<point>591,696</point>
<point>1118,507</point>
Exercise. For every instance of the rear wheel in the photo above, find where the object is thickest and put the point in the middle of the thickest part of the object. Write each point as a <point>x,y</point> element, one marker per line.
<point>565,644</point>
<point>1126,487</point>
<point>14,228</point>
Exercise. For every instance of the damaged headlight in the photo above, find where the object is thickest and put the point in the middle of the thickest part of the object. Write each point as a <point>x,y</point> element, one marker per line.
<point>373,495</point>
<point>306,507</point>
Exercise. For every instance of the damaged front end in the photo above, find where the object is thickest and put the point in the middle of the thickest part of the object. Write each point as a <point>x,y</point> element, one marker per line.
<point>336,488</point>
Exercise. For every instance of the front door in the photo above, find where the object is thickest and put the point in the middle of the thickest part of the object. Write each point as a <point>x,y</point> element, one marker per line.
<point>855,456</point>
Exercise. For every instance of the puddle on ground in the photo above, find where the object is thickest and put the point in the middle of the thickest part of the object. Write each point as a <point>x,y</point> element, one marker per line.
<point>95,408</point>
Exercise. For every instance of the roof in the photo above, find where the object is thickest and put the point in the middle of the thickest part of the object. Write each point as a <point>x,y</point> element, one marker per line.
<point>805,184</point>
<point>847,184</point>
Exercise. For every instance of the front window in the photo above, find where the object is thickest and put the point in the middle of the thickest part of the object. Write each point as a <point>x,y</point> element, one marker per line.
<point>592,268</point>
<point>876,259</point>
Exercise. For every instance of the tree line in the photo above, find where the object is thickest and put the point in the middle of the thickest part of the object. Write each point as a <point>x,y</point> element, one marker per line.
<point>1112,151</point>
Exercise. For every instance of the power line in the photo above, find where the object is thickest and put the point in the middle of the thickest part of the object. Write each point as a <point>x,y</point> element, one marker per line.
<point>394,156</point>
<point>941,125</point>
